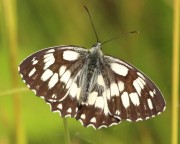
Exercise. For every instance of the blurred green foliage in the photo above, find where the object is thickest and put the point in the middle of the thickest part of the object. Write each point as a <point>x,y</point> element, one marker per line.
<point>48,23</point>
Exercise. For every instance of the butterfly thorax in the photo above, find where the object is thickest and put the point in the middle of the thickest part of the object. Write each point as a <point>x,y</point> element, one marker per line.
<point>90,71</point>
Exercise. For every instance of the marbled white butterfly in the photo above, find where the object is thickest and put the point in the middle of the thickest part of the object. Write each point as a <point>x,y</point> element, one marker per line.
<point>96,89</point>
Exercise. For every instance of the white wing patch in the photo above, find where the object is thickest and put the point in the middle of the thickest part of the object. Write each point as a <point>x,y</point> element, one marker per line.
<point>100,80</point>
<point>48,60</point>
<point>65,77</point>
<point>134,98</point>
<point>99,102</point>
<point>53,81</point>
<point>121,86</point>
<point>70,55</point>
<point>46,75</point>
<point>150,103</point>
<point>137,87</point>
<point>114,89</point>
<point>35,62</point>
<point>151,93</point>
<point>92,98</point>
<point>32,72</point>
<point>119,69</point>
<point>125,99</point>
<point>73,90</point>
<point>62,69</point>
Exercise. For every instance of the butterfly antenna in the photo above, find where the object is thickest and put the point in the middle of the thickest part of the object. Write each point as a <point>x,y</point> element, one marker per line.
<point>92,23</point>
<point>116,37</point>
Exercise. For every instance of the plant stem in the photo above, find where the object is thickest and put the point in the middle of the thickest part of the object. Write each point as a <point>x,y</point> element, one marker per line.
<point>10,18</point>
<point>66,131</point>
<point>175,73</point>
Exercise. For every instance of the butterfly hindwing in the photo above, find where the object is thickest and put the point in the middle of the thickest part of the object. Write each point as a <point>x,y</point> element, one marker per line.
<point>95,111</point>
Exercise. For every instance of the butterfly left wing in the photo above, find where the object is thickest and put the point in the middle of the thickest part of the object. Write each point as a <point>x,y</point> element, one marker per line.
<point>50,72</point>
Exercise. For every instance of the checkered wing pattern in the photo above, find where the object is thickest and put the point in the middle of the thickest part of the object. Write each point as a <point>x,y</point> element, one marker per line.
<point>97,90</point>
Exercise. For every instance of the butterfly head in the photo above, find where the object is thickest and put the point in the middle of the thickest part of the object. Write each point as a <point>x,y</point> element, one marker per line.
<point>96,50</point>
<point>97,46</point>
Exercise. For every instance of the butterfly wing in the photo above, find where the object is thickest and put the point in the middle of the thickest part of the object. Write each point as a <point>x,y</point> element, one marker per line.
<point>50,72</point>
<point>95,111</point>
<point>133,96</point>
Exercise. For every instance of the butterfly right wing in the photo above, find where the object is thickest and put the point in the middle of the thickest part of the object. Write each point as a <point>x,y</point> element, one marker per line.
<point>132,95</point>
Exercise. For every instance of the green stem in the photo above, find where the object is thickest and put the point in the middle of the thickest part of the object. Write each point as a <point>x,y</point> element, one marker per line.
<point>11,38</point>
<point>175,72</point>
<point>66,131</point>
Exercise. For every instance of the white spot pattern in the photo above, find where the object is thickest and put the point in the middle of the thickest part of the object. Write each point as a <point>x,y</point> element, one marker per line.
<point>93,120</point>
<point>62,69</point>
<point>107,93</point>
<point>139,74</point>
<point>154,91</point>
<point>125,100</point>
<point>100,80</point>
<point>151,93</point>
<point>99,102</point>
<point>35,62</point>
<point>69,83</point>
<point>32,72</point>
<point>54,96</point>
<point>83,116</point>
<point>65,77</point>
<point>119,69</point>
<point>70,55</point>
<point>69,110</point>
<point>78,93</point>
<point>92,98</point>
<point>114,89</point>
<point>117,112</point>
<point>137,86</point>
<point>73,90</point>
<point>34,91</point>
<point>59,106</point>
<point>50,51</point>
<point>121,86</point>
<point>53,81</point>
<point>134,98</point>
<point>139,119</point>
<point>46,75</point>
<point>48,60</point>
<point>150,103</point>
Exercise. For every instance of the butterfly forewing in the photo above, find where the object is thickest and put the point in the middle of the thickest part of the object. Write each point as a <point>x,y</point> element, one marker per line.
<point>97,90</point>
<point>133,95</point>
<point>51,71</point>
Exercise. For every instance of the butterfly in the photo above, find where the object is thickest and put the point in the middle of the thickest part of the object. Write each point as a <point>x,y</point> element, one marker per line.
<point>96,89</point>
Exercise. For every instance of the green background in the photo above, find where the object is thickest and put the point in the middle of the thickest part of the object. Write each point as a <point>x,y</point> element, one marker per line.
<point>42,24</point>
